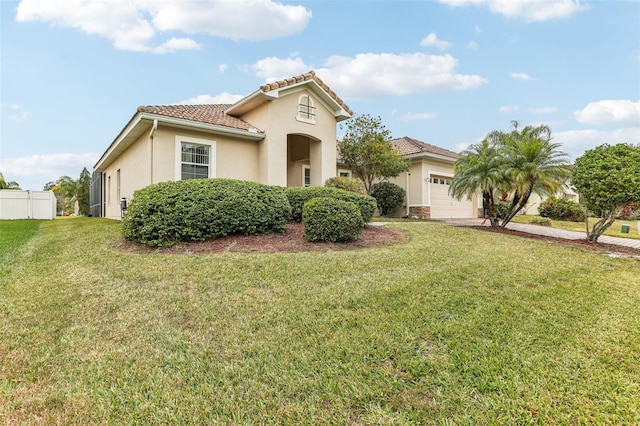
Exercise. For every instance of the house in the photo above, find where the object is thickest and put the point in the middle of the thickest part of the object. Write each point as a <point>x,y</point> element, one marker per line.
<point>282,134</point>
<point>428,180</point>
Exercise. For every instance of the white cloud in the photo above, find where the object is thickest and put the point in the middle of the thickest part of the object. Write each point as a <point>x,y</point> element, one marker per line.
<point>272,68</point>
<point>609,111</point>
<point>433,40</point>
<point>472,45</point>
<point>543,110</point>
<point>508,109</point>
<point>17,113</point>
<point>223,68</point>
<point>34,171</point>
<point>136,25</point>
<point>576,142</point>
<point>369,75</point>
<point>222,98</point>
<point>416,116</point>
<point>520,76</point>
<point>527,10</point>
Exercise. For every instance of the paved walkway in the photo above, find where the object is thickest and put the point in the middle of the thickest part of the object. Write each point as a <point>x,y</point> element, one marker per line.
<point>551,232</point>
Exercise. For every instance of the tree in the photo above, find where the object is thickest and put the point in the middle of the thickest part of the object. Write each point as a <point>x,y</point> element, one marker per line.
<point>510,165</point>
<point>480,170</point>
<point>607,179</point>
<point>366,148</point>
<point>83,192</point>
<point>8,185</point>
<point>388,196</point>
<point>70,188</point>
<point>533,164</point>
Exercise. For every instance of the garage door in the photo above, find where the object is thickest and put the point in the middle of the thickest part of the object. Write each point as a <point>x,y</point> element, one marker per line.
<point>443,206</point>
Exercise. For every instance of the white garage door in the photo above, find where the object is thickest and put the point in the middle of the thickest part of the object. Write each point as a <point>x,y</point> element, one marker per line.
<point>443,206</point>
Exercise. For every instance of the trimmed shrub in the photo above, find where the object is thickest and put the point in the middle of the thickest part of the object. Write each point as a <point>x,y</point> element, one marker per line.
<point>542,221</point>
<point>166,213</point>
<point>346,183</point>
<point>299,195</point>
<point>331,220</point>
<point>561,209</point>
<point>388,196</point>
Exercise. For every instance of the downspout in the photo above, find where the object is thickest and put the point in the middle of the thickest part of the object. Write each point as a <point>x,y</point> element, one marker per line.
<point>153,131</point>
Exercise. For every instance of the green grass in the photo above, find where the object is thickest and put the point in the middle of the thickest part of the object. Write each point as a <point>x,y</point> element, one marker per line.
<point>13,234</point>
<point>613,231</point>
<point>456,326</point>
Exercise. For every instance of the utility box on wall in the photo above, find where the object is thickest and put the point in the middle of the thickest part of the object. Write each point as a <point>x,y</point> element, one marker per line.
<point>16,204</point>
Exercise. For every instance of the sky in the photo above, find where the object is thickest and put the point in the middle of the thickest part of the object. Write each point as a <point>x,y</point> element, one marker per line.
<point>446,72</point>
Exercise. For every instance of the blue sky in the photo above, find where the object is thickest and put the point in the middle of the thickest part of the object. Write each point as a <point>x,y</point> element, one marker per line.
<point>445,72</point>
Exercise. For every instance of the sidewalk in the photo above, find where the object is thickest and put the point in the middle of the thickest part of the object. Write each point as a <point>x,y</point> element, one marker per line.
<point>549,232</point>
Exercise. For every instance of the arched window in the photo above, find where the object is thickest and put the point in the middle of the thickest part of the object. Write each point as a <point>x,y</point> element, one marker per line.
<point>306,109</point>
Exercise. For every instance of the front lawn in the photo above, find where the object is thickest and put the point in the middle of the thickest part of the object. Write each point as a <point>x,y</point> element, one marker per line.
<point>457,326</point>
<point>613,231</point>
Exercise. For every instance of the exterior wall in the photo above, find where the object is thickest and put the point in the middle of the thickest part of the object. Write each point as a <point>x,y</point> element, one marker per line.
<point>133,165</point>
<point>277,119</point>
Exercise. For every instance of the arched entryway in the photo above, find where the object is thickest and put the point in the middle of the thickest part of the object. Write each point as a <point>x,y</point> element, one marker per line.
<point>304,160</point>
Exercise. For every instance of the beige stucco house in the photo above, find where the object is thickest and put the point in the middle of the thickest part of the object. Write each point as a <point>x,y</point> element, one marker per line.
<point>284,133</point>
<point>428,180</point>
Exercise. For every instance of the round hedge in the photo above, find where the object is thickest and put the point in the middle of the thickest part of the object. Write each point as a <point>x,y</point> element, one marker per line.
<point>298,196</point>
<point>388,196</point>
<point>331,220</point>
<point>561,209</point>
<point>166,213</point>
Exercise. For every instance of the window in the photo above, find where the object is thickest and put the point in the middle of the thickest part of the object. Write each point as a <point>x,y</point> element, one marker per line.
<point>306,109</point>
<point>441,181</point>
<point>195,158</point>
<point>306,175</point>
<point>344,173</point>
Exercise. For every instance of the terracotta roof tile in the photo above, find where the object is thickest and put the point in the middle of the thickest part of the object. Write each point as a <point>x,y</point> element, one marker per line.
<point>311,75</point>
<point>209,114</point>
<point>408,146</point>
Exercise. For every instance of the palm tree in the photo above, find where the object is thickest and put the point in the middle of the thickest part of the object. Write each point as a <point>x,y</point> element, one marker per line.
<point>70,188</point>
<point>532,164</point>
<point>480,169</point>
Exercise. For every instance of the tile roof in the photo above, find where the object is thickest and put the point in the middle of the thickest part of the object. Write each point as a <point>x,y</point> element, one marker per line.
<point>311,75</point>
<point>408,146</point>
<point>208,114</point>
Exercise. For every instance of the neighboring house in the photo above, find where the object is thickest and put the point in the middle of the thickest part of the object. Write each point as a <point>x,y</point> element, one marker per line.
<point>428,180</point>
<point>536,199</point>
<point>282,134</point>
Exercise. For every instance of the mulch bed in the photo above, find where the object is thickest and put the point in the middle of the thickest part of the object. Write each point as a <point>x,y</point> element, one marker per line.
<point>290,241</point>
<point>611,249</point>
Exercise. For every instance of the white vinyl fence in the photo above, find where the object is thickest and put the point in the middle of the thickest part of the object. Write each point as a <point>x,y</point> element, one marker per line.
<point>27,204</point>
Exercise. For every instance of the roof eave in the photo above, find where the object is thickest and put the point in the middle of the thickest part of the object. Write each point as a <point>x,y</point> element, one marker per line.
<point>143,121</point>
<point>431,155</point>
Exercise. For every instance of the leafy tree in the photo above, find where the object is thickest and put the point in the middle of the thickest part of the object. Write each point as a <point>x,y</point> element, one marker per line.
<point>83,191</point>
<point>8,185</point>
<point>346,183</point>
<point>366,148</point>
<point>607,179</point>
<point>515,164</point>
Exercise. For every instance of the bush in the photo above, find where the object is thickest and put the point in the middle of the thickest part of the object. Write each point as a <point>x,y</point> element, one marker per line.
<point>298,195</point>
<point>388,196</point>
<point>561,209</point>
<point>630,212</point>
<point>542,221</point>
<point>331,220</point>
<point>502,209</point>
<point>166,213</point>
<point>346,183</point>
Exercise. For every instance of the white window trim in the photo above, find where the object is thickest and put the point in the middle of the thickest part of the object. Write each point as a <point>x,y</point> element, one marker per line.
<point>311,103</point>
<point>347,171</point>
<point>178,154</point>
<point>304,168</point>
